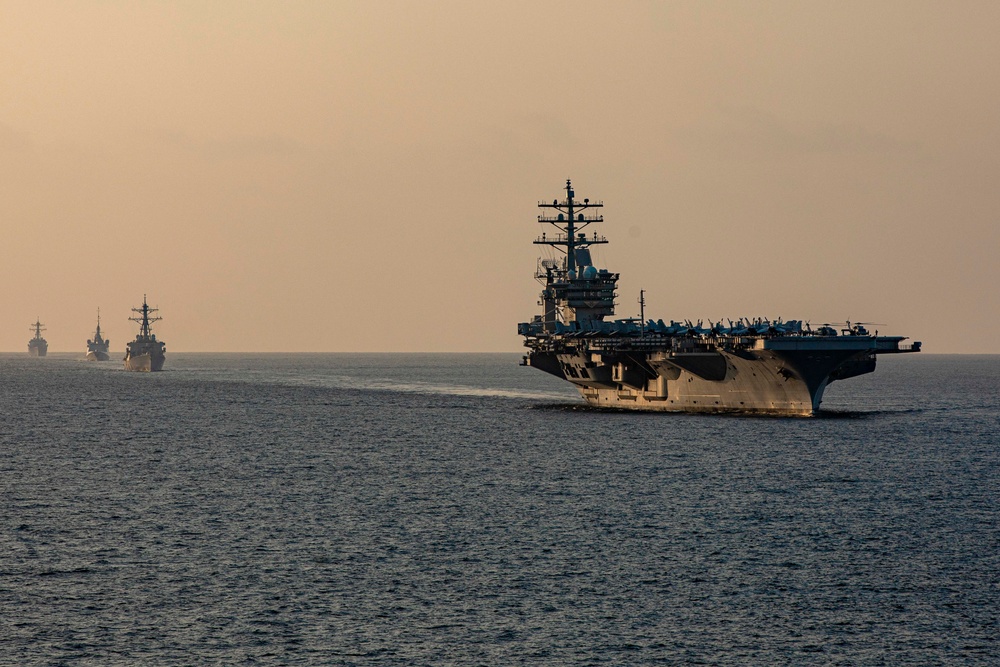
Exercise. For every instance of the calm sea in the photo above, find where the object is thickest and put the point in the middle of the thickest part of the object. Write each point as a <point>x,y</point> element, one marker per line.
<point>462,510</point>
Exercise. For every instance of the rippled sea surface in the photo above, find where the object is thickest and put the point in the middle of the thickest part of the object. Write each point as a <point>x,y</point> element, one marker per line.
<point>461,510</point>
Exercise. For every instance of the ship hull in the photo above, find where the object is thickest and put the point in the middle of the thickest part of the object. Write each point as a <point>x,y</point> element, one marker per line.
<point>98,355</point>
<point>751,386</point>
<point>144,363</point>
<point>37,350</point>
<point>787,382</point>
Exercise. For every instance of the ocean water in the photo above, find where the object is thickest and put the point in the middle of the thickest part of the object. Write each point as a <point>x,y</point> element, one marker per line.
<point>462,510</point>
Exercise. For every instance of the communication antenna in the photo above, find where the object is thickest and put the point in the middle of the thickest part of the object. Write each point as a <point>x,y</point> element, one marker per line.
<point>642,312</point>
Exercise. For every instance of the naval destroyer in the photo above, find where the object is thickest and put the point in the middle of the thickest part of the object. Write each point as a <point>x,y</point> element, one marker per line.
<point>145,353</point>
<point>758,366</point>
<point>97,349</point>
<point>38,346</point>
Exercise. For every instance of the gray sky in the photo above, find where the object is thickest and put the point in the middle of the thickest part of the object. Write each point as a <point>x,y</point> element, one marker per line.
<point>334,176</point>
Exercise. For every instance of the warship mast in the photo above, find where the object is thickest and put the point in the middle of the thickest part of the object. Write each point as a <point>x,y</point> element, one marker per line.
<point>566,221</point>
<point>38,328</point>
<point>143,319</point>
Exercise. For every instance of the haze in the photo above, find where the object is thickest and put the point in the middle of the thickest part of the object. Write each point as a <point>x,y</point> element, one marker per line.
<point>333,176</point>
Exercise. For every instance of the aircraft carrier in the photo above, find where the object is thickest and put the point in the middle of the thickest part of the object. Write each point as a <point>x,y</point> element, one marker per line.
<point>754,366</point>
<point>145,353</point>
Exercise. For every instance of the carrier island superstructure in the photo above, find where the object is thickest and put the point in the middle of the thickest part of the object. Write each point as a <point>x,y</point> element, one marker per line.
<point>760,365</point>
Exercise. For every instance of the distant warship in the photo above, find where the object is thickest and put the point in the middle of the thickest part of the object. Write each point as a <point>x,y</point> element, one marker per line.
<point>751,365</point>
<point>145,353</point>
<point>97,349</point>
<point>38,346</point>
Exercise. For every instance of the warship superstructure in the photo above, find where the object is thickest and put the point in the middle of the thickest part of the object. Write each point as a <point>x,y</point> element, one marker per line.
<point>145,353</point>
<point>759,365</point>
<point>97,349</point>
<point>38,346</point>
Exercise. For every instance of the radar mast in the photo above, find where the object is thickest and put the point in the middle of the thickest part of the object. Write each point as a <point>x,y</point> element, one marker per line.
<point>570,220</point>
<point>144,319</point>
<point>38,328</point>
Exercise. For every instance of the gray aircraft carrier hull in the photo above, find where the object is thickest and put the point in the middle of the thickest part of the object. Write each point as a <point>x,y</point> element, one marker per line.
<point>778,377</point>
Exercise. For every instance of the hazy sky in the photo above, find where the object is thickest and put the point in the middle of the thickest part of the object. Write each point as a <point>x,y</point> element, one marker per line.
<point>363,176</point>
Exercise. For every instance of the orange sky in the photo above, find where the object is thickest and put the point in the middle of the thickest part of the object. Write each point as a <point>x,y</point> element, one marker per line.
<point>332,176</point>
